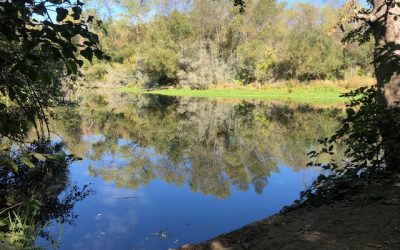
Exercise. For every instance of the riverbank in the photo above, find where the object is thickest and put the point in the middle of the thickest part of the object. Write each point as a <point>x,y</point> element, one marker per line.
<point>367,219</point>
<point>318,95</point>
<point>316,92</point>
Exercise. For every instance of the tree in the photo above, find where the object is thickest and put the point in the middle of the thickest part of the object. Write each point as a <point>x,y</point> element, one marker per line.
<point>382,20</point>
<point>36,51</point>
<point>371,129</point>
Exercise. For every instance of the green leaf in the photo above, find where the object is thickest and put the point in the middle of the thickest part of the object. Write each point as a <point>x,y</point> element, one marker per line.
<point>67,51</point>
<point>2,223</point>
<point>76,12</point>
<point>27,162</point>
<point>72,68</point>
<point>61,14</point>
<point>2,106</point>
<point>350,111</point>
<point>75,157</point>
<point>93,38</point>
<point>40,9</point>
<point>46,78</point>
<point>38,156</point>
<point>79,62</point>
<point>12,166</point>
<point>60,156</point>
<point>98,53</point>
<point>87,53</point>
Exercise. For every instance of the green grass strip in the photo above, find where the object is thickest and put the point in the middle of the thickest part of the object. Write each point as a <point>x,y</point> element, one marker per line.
<point>318,95</point>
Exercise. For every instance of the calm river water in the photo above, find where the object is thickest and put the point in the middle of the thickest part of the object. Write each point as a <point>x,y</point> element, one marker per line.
<point>165,171</point>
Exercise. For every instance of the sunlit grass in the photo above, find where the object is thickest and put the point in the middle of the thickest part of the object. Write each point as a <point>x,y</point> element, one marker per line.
<point>306,94</point>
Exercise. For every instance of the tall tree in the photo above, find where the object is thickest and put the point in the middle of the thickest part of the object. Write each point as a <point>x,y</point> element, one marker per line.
<point>371,129</point>
<point>381,20</point>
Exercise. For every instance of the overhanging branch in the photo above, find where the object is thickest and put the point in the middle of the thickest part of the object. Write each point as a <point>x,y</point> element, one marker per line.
<point>367,17</point>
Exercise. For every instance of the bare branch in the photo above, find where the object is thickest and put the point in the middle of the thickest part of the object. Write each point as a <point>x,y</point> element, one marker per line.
<point>367,17</point>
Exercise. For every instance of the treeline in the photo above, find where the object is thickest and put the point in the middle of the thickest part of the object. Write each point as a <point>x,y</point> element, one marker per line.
<point>197,44</point>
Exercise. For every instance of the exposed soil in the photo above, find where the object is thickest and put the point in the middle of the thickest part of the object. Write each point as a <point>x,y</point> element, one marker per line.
<point>368,219</point>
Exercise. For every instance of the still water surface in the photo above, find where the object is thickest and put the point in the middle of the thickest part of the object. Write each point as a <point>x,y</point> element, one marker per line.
<point>166,171</point>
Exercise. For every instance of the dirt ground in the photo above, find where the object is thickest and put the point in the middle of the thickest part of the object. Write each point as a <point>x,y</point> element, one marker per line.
<point>367,220</point>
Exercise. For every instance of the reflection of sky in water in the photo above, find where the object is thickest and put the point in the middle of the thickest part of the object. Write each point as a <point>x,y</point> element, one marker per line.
<point>211,157</point>
<point>127,219</point>
<point>93,138</point>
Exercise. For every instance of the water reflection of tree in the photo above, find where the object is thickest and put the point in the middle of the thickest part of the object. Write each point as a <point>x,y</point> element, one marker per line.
<point>208,144</point>
<point>33,198</point>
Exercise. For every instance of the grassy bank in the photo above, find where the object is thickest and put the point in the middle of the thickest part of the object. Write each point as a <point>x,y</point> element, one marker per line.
<point>307,94</point>
<point>318,91</point>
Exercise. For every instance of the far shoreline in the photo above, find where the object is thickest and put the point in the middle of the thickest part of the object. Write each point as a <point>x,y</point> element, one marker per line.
<point>325,92</point>
<point>301,94</point>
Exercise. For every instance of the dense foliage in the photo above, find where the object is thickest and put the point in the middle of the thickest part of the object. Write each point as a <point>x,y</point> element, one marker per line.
<point>40,42</point>
<point>199,44</point>
<point>365,130</point>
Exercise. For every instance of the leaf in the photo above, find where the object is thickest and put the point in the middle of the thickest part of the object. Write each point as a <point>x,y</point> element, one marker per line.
<point>67,50</point>
<point>76,12</point>
<point>2,223</point>
<point>93,38</point>
<point>87,53</point>
<point>38,156</point>
<point>90,19</point>
<point>61,14</point>
<point>27,162</point>
<point>60,156</point>
<point>80,63</point>
<point>46,78</point>
<point>75,157</point>
<point>12,166</point>
<point>71,67</point>
<point>40,9</point>
<point>98,53</point>
<point>350,111</point>
<point>2,106</point>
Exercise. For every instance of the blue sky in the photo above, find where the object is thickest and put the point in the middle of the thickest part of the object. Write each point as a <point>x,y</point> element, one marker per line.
<point>336,2</point>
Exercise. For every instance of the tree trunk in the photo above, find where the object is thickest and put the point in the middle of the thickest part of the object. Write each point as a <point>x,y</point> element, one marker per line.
<point>385,23</point>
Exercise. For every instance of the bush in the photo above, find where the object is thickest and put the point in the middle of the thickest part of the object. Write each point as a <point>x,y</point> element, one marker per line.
<point>96,72</point>
<point>200,68</point>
